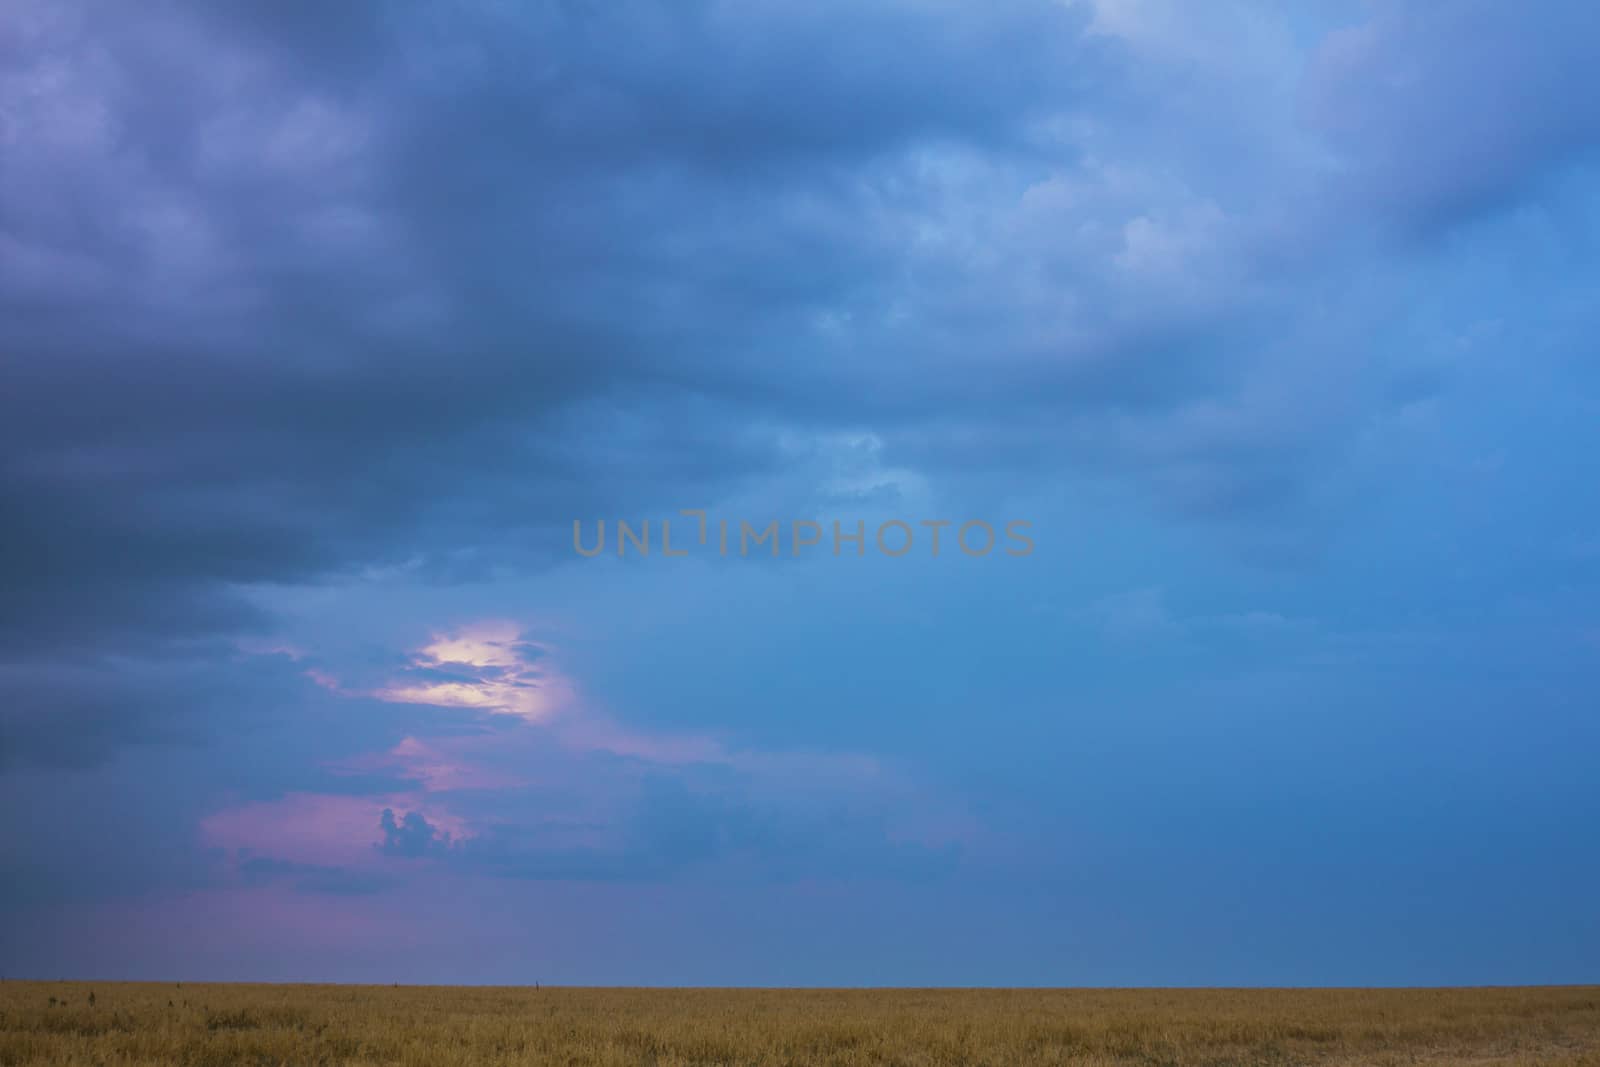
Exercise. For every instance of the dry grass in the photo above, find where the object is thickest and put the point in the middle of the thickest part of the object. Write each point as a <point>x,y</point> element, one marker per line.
<point>138,1024</point>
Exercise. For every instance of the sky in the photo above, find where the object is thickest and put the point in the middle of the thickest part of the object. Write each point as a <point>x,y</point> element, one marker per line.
<point>323,330</point>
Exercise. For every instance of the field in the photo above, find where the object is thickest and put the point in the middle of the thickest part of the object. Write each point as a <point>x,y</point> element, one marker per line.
<point>139,1024</point>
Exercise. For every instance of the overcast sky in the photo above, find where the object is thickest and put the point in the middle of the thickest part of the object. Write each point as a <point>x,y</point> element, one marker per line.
<point>320,325</point>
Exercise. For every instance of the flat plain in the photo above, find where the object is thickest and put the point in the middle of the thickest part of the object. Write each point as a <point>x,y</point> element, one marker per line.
<point>138,1024</point>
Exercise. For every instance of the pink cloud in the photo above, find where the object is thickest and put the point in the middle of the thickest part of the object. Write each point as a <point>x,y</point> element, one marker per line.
<point>492,666</point>
<point>440,765</point>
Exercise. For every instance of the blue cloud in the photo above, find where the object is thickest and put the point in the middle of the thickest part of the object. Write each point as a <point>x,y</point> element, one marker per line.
<point>1276,324</point>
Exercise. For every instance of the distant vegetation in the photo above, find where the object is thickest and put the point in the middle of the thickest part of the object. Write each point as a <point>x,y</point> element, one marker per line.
<point>72,1024</point>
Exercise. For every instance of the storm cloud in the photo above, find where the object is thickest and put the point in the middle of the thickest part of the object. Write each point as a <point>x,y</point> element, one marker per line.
<point>320,326</point>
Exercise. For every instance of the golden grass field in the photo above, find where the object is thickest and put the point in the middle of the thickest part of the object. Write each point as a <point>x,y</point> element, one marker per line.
<point>150,1023</point>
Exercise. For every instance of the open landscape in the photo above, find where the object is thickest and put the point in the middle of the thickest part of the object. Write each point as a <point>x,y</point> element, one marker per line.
<point>781,533</point>
<point>150,1023</point>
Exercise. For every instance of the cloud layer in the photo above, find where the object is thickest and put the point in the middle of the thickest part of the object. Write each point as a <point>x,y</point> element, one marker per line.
<point>321,329</point>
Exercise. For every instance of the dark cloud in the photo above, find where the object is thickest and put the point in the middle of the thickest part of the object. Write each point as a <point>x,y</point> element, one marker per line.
<point>289,297</point>
<point>410,835</point>
<point>72,714</point>
<point>1445,114</point>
